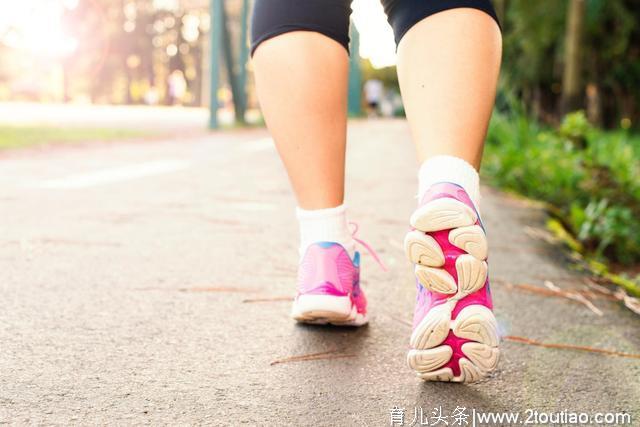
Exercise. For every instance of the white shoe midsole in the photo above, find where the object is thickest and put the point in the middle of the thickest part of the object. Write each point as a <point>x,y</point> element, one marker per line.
<point>322,303</point>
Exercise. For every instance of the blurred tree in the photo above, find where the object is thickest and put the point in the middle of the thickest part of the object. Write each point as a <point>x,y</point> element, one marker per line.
<point>559,55</point>
<point>128,48</point>
<point>612,72</point>
<point>572,76</point>
<point>531,59</point>
<point>539,53</point>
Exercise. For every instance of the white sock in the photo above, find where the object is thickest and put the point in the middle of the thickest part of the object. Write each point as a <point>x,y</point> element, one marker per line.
<point>449,169</point>
<point>325,225</point>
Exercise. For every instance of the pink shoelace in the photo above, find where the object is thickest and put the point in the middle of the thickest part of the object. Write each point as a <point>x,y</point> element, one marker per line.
<point>364,244</point>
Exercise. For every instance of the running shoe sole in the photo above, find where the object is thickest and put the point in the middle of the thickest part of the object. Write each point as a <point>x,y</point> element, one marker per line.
<point>472,336</point>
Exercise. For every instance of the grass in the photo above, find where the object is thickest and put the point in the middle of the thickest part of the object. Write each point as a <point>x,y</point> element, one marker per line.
<point>27,136</point>
<point>587,176</point>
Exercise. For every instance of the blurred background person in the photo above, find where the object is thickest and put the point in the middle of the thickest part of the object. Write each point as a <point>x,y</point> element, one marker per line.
<point>373,92</point>
<point>177,87</point>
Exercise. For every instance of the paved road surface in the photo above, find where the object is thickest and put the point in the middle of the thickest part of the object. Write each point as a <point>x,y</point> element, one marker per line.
<point>125,271</point>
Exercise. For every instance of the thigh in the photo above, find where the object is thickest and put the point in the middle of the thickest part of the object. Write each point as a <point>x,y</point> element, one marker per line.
<point>404,14</point>
<point>274,17</point>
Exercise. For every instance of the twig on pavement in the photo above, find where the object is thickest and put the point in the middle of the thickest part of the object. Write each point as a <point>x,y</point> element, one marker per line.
<point>515,248</point>
<point>561,278</point>
<point>330,354</point>
<point>540,234</point>
<point>552,290</point>
<point>574,296</point>
<point>216,289</point>
<point>583,296</point>
<point>632,303</point>
<point>269,299</point>
<point>598,288</point>
<point>528,341</point>
<point>398,319</point>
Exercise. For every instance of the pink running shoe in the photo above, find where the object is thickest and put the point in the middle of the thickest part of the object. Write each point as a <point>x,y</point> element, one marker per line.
<point>329,287</point>
<point>455,334</point>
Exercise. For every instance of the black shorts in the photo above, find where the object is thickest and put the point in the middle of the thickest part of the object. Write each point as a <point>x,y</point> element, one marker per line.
<point>331,17</point>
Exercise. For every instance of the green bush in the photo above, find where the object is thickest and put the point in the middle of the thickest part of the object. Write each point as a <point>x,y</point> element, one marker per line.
<point>591,177</point>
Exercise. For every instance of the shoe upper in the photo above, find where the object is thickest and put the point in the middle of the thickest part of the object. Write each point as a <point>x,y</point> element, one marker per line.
<point>327,269</point>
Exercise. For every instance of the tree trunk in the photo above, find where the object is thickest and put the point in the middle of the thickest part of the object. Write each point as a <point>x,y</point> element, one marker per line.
<point>594,104</point>
<point>571,82</point>
<point>232,75</point>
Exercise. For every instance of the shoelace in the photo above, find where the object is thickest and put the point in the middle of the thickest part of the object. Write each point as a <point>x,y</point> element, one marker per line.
<point>369,249</point>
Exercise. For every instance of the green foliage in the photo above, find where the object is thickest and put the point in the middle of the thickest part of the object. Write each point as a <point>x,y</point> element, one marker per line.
<point>588,175</point>
<point>532,35</point>
<point>533,59</point>
<point>575,127</point>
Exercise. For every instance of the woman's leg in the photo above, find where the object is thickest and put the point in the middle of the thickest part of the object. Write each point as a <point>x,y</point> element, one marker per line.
<point>301,81</point>
<point>448,64</point>
<point>301,68</point>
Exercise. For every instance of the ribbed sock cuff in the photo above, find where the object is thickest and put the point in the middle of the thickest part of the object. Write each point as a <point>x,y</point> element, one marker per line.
<point>325,225</point>
<point>449,169</point>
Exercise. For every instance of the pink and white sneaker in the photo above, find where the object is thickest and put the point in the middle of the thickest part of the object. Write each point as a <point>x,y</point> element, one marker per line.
<point>455,334</point>
<point>329,287</point>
